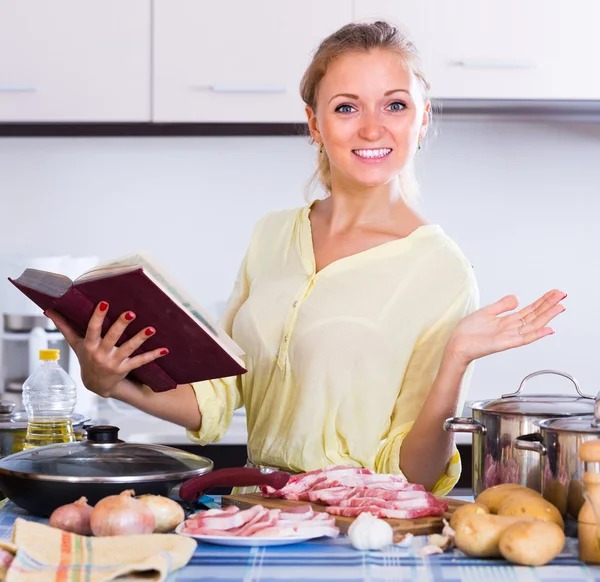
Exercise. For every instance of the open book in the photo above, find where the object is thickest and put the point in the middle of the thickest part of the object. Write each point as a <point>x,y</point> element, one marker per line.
<point>198,348</point>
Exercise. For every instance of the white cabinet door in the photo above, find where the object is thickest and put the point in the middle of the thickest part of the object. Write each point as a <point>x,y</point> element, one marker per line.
<point>237,61</point>
<point>515,49</point>
<point>75,60</point>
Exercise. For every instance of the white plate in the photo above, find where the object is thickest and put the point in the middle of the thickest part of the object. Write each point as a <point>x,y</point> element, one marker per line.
<point>246,541</point>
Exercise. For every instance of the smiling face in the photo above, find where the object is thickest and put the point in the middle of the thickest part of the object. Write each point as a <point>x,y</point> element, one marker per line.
<point>370,116</point>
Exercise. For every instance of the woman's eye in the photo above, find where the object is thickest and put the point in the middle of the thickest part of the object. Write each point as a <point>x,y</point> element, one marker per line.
<point>345,108</point>
<point>397,106</point>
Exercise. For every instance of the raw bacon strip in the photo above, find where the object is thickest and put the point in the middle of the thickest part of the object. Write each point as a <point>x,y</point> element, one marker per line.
<point>378,511</point>
<point>300,513</point>
<point>259,521</point>
<point>228,520</point>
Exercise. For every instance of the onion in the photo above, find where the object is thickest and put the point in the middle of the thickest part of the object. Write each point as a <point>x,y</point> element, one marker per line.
<point>168,513</point>
<point>74,517</point>
<point>122,515</point>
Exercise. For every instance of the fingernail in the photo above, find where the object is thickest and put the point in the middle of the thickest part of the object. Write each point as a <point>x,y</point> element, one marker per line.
<point>149,331</point>
<point>164,352</point>
<point>564,296</point>
<point>103,306</point>
<point>552,332</point>
<point>129,315</point>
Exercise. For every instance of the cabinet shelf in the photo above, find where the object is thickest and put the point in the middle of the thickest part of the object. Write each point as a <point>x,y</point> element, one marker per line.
<point>52,336</point>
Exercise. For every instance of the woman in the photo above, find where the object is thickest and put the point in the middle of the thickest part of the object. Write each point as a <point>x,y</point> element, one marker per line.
<point>358,318</point>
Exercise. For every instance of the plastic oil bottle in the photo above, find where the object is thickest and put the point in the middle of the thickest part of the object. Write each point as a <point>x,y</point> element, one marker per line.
<point>49,397</point>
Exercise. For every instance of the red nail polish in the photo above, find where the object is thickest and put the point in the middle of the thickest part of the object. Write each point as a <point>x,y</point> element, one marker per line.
<point>103,306</point>
<point>565,296</point>
<point>149,331</point>
<point>129,315</point>
<point>164,352</point>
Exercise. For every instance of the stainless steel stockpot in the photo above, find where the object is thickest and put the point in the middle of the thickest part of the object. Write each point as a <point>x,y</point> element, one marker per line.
<point>557,447</point>
<point>496,424</point>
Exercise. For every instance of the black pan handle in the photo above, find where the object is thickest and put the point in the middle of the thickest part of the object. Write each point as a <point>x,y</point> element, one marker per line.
<point>194,488</point>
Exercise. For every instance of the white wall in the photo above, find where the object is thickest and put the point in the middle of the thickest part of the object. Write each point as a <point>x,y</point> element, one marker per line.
<point>521,198</point>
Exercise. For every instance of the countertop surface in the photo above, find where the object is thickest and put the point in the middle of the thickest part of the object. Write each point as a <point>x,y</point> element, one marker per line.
<point>328,559</point>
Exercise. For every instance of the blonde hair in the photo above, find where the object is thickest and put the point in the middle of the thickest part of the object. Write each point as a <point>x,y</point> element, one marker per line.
<point>360,37</point>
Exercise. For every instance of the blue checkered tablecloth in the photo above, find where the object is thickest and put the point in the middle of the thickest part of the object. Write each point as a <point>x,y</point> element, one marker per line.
<point>336,560</point>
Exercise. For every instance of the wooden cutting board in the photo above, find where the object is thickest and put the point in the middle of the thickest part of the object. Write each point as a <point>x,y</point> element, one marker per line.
<point>420,526</point>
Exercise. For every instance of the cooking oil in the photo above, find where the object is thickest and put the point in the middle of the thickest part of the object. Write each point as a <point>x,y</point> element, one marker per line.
<point>49,396</point>
<point>48,431</point>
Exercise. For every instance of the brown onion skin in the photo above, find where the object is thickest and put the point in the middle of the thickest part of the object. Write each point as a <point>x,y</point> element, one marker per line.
<point>73,517</point>
<point>122,515</point>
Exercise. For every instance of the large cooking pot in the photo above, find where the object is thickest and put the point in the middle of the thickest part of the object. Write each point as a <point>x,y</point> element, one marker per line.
<point>40,480</point>
<point>557,447</point>
<point>13,427</point>
<point>496,424</point>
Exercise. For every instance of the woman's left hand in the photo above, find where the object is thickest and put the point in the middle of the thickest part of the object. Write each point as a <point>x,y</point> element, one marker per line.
<point>487,331</point>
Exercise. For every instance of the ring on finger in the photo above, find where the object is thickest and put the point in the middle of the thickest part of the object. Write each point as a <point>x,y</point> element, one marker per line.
<point>520,330</point>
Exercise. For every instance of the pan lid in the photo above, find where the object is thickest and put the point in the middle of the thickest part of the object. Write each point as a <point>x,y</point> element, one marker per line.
<point>541,405</point>
<point>576,424</point>
<point>103,458</point>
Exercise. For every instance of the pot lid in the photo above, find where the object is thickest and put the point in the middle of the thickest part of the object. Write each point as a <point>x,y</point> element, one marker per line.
<point>542,405</point>
<point>576,424</point>
<point>11,419</point>
<point>103,458</point>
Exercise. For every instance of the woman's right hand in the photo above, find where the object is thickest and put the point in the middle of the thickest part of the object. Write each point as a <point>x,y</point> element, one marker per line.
<point>103,364</point>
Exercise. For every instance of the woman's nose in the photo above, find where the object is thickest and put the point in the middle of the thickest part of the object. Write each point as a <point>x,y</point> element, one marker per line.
<point>371,126</point>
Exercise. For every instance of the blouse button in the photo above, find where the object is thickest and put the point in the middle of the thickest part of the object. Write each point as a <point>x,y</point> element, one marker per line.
<point>285,339</point>
<point>295,304</point>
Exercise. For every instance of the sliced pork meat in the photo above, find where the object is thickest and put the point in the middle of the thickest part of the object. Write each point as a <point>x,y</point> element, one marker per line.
<point>349,491</point>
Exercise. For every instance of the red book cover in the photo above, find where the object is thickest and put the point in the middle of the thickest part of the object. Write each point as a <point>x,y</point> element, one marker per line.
<point>196,352</point>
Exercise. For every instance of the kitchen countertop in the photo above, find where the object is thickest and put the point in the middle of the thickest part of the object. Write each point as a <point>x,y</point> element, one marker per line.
<point>329,559</point>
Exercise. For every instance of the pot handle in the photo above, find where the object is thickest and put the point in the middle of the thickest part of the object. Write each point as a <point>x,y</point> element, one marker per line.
<point>539,373</point>
<point>464,424</point>
<point>194,488</point>
<point>530,442</point>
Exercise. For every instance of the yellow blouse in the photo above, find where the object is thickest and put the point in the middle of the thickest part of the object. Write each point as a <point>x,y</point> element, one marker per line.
<point>340,361</point>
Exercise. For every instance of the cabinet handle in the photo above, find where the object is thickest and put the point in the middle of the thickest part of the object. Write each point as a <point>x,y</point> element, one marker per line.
<point>224,88</point>
<point>495,64</point>
<point>17,89</point>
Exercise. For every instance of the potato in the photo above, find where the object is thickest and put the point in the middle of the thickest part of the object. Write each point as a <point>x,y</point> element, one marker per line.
<point>479,534</point>
<point>467,509</point>
<point>519,505</point>
<point>532,543</point>
<point>494,496</point>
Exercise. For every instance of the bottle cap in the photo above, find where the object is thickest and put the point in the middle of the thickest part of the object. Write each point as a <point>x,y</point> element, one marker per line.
<point>49,354</point>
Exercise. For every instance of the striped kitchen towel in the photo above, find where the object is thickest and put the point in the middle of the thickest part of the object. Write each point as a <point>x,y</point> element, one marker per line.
<point>47,554</point>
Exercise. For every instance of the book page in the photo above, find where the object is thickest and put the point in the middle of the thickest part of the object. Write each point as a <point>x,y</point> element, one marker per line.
<point>169,285</point>
<point>51,284</point>
<point>105,271</point>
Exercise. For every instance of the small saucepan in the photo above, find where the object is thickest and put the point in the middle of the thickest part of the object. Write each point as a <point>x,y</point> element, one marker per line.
<point>13,427</point>
<point>40,480</point>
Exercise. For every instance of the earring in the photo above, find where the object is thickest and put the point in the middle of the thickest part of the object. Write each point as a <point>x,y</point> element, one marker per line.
<point>419,145</point>
<point>320,148</point>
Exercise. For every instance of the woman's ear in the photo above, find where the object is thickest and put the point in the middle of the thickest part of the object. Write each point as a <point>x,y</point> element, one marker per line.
<point>313,126</point>
<point>426,120</point>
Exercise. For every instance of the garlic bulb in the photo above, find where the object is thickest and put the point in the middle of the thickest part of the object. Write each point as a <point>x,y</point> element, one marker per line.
<point>368,532</point>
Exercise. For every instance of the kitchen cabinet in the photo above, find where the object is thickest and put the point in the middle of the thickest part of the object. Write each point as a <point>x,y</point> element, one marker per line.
<point>75,60</point>
<point>237,61</point>
<point>501,50</point>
